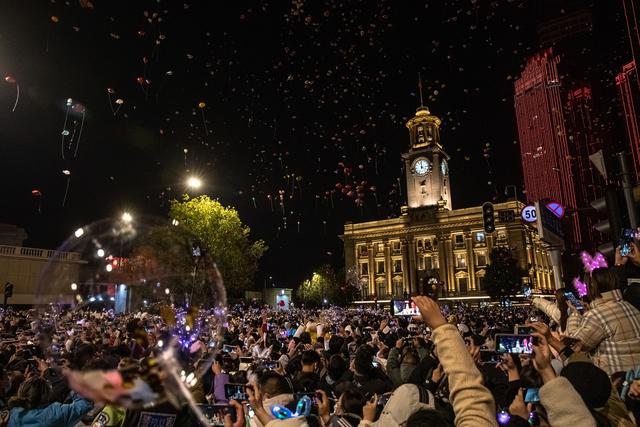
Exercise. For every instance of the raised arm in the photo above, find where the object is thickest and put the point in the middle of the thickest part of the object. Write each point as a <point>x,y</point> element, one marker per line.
<point>472,402</point>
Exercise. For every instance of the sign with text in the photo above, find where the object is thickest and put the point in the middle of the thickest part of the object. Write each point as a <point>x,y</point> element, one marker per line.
<point>529,213</point>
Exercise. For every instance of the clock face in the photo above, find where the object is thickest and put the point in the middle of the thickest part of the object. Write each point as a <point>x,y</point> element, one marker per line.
<point>444,168</point>
<point>422,166</point>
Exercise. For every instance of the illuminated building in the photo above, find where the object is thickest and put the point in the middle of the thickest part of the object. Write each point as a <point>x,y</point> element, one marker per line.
<point>430,242</point>
<point>544,144</point>
<point>628,82</point>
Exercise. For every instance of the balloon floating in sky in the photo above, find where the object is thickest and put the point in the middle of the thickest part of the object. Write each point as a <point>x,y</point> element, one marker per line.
<point>201,104</point>
<point>119,101</point>
<point>55,19</point>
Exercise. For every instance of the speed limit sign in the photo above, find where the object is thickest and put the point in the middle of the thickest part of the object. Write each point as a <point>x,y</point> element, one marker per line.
<point>529,213</point>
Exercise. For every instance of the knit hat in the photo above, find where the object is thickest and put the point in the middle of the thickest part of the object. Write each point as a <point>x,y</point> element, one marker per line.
<point>591,383</point>
<point>404,402</point>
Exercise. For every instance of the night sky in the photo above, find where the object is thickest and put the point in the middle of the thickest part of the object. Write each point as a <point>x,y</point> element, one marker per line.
<point>303,101</point>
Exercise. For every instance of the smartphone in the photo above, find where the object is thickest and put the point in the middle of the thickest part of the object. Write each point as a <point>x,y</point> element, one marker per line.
<point>215,413</point>
<point>626,239</point>
<point>245,363</point>
<point>404,308</point>
<point>573,300</point>
<point>532,396</point>
<point>512,343</point>
<point>228,348</point>
<point>236,392</point>
<point>489,357</point>
<point>526,291</point>
<point>270,364</point>
<point>523,330</point>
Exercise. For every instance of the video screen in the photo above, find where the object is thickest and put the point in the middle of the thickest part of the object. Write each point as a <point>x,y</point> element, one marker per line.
<point>236,392</point>
<point>405,308</point>
<point>514,344</point>
<point>215,413</point>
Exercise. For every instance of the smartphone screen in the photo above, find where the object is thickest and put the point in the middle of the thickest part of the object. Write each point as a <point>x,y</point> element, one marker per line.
<point>236,392</point>
<point>625,241</point>
<point>405,308</point>
<point>215,413</point>
<point>513,343</point>
<point>227,348</point>
<point>531,396</point>
<point>573,300</point>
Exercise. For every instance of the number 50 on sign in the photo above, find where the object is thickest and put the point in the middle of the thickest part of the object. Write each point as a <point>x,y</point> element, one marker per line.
<point>529,213</point>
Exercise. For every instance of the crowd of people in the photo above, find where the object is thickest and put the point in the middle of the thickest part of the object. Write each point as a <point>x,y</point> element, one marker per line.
<point>562,362</point>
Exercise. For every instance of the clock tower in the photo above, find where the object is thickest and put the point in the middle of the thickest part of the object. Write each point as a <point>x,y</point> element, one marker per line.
<point>426,163</point>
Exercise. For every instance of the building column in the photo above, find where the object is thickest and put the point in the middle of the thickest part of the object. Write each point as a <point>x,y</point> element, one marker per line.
<point>388,266</point>
<point>372,269</point>
<point>471,263</point>
<point>411,283</point>
<point>446,258</point>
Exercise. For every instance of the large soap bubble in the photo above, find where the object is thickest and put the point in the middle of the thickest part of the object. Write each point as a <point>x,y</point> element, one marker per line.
<point>143,289</point>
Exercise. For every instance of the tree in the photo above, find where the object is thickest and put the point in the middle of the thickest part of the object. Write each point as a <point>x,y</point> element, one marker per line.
<point>504,276</point>
<point>324,283</point>
<point>221,233</point>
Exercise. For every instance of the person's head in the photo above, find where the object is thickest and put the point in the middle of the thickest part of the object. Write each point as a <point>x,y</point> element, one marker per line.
<point>337,366</point>
<point>561,302</point>
<point>602,280</point>
<point>273,384</point>
<point>632,294</point>
<point>363,361</point>
<point>591,383</point>
<point>33,393</point>
<point>310,360</point>
<point>351,402</point>
<point>428,418</point>
<point>305,338</point>
<point>335,344</point>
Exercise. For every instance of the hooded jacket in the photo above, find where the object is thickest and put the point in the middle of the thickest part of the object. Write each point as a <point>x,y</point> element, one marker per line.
<point>53,415</point>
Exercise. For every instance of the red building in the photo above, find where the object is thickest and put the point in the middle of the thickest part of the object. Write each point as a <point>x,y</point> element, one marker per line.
<point>627,82</point>
<point>544,144</point>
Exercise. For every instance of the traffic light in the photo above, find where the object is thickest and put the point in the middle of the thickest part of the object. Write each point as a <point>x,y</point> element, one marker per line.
<point>487,217</point>
<point>8,290</point>
<point>609,227</point>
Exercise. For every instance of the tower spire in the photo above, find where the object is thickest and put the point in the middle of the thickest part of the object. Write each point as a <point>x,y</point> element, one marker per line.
<point>420,88</point>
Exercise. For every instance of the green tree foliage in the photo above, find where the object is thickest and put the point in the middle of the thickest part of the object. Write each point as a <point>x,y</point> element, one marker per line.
<point>504,276</point>
<point>224,237</point>
<point>326,283</point>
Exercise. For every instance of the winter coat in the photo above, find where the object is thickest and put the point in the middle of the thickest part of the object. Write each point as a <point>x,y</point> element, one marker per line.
<point>53,415</point>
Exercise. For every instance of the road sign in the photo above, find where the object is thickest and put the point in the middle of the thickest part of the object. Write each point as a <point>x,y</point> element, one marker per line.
<point>529,213</point>
<point>556,208</point>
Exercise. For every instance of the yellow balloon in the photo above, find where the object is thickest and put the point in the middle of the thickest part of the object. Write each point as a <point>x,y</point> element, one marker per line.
<point>202,105</point>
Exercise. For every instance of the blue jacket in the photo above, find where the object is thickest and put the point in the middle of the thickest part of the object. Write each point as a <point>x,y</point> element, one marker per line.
<point>54,415</point>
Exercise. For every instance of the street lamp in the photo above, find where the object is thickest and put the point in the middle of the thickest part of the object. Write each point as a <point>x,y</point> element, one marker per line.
<point>126,217</point>
<point>194,182</point>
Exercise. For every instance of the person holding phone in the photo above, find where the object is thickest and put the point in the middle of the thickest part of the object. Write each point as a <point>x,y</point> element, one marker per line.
<point>610,331</point>
<point>558,312</point>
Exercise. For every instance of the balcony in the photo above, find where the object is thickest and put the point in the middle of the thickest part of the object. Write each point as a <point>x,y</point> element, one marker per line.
<point>22,252</point>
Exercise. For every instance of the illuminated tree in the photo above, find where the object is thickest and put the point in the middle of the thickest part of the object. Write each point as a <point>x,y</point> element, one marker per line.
<point>220,232</point>
<point>504,276</point>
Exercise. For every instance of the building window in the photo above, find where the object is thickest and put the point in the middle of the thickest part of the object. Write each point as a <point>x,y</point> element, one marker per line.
<point>364,269</point>
<point>435,262</point>
<point>480,237</point>
<point>459,241</point>
<point>480,283</point>
<point>461,261</point>
<point>428,263</point>
<point>362,250</point>
<point>463,285</point>
<point>397,266</point>
<point>420,245</point>
<point>428,245</point>
<point>380,269</point>
<point>365,291</point>
<point>420,263</point>
<point>482,259</point>
<point>382,289</point>
<point>398,289</point>
<point>395,247</point>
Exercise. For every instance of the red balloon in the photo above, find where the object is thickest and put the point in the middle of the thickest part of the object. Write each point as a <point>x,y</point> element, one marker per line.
<point>281,303</point>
